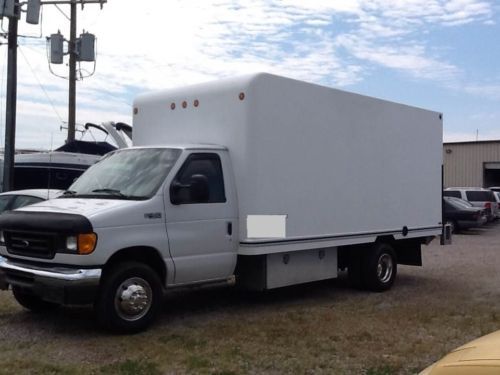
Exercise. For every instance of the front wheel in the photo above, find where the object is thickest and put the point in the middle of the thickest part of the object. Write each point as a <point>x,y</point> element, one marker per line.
<point>129,298</point>
<point>379,268</point>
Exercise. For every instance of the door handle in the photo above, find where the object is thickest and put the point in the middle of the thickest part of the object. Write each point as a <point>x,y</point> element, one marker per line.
<point>229,228</point>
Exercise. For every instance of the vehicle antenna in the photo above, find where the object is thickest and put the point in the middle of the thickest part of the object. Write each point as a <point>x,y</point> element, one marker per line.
<point>50,162</point>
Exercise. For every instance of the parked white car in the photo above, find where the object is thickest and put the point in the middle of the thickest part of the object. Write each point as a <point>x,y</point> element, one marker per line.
<point>11,200</point>
<point>478,197</point>
<point>496,194</point>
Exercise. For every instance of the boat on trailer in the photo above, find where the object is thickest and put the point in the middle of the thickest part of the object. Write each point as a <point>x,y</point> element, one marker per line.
<point>59,168</point>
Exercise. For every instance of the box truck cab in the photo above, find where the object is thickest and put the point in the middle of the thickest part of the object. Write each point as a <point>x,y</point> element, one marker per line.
<point>261,181</point>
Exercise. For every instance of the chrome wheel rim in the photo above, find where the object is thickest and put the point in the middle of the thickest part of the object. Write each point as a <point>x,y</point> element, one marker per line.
<point>133,299</point>
<point>384,268</point>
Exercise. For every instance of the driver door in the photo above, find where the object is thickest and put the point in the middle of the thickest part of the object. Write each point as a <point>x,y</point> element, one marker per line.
<point>201,232</point>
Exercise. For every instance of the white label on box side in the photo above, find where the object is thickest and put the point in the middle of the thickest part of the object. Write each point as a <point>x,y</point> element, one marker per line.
<point>266,226</point>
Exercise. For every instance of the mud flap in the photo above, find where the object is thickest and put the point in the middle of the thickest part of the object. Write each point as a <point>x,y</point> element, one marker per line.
<point>446,235</point>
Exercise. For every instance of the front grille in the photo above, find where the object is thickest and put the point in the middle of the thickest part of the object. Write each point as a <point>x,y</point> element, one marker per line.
<point>35,245</point>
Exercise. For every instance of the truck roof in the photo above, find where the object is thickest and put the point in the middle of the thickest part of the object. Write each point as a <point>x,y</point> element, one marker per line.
<point>243,82</point>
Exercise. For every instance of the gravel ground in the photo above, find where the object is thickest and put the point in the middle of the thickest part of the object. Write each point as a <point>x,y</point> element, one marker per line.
<point>322,328</point>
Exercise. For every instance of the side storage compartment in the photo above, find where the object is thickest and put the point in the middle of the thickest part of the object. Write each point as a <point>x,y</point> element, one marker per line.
<point>269,271</point>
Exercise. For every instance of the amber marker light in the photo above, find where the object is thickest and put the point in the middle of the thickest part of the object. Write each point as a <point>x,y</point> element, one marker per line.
<point>86,243</point>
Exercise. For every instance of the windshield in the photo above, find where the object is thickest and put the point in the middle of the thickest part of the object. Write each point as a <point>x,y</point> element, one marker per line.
<point>126,174</point>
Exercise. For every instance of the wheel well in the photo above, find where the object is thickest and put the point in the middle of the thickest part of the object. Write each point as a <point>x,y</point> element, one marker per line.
<point>352,253</point>
<point>146,255</point>
<point>385,239</point>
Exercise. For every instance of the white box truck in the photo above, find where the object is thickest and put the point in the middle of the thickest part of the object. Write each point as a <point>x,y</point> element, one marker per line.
<point>260,180</point>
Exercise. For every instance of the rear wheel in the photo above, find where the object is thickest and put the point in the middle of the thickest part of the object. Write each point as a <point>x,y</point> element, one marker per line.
<point>379,268</point>
<point>30,301</point>
<point>129,298</point>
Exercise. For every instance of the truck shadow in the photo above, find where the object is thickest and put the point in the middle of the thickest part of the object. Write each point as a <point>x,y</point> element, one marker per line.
<point>179,307</point>
<point>79,322</point>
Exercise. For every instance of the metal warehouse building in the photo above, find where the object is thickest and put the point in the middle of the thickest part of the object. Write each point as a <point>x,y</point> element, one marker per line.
<point>472,163</point>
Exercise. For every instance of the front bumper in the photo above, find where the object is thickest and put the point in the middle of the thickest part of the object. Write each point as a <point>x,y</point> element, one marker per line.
<point>60,284</point>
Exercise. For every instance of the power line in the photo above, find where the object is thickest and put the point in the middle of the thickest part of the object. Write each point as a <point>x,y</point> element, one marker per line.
<point>62,12</point>
<point>40,84</point>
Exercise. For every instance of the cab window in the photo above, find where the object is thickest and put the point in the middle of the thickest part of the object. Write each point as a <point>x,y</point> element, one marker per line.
<point>200,164</point>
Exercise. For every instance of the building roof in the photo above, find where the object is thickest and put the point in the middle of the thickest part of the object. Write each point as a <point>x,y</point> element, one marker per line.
<point>472,142</point>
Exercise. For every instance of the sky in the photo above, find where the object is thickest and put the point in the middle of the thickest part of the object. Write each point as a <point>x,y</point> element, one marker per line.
<point>441,55</point>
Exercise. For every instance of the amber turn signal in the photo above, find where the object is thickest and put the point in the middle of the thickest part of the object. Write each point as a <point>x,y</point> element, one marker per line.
<point>86,243</point>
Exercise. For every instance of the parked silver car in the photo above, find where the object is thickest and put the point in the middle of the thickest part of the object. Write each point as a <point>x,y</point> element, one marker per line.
<point>478,197</point>
<point>11,200</point>
<point>461,214</point>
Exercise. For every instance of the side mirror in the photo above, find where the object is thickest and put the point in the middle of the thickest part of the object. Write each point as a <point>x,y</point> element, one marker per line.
<point>199,190</point>
<point>175,192</point>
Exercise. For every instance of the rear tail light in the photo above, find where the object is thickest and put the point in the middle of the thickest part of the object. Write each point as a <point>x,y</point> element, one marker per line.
<point>498,205</point>
<point>487,205</point>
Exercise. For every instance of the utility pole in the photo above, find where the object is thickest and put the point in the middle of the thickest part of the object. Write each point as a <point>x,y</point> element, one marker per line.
<point>75,46</point>
<point>11,104</point>
<point>72,75</point>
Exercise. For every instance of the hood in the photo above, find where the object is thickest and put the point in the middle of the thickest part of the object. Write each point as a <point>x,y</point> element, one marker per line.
<point>484,348</point>
<point>86,207</point>
<point>481,356</point>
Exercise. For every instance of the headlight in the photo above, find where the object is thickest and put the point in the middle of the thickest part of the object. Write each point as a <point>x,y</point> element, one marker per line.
<point>81,243</point>
<point>72,243</point>
<point>2,239</point>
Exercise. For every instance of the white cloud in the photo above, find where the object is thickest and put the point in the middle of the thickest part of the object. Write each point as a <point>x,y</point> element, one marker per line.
<point>411,59</point>
<point>336,6</point>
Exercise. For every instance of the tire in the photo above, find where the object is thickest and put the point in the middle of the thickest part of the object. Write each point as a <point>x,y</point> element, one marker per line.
<point>129,297</point>
<point>379,268</point>
<point>32,302</point>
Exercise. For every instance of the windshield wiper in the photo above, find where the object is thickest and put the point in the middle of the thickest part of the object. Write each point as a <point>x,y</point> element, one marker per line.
<point>115,192</point>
